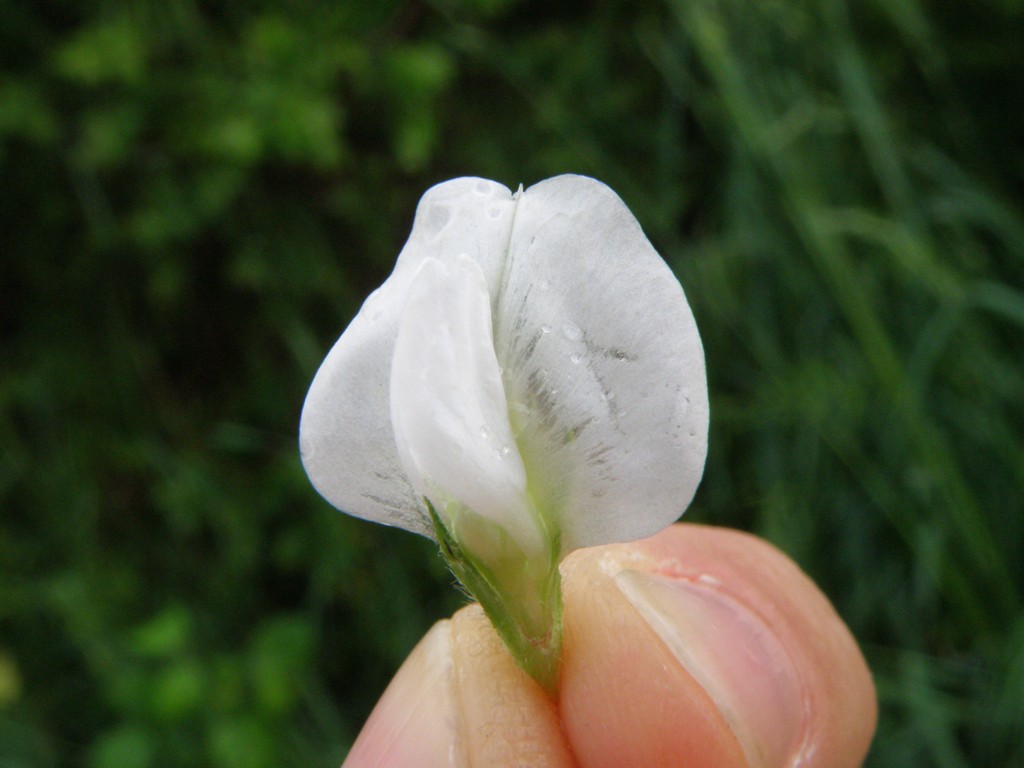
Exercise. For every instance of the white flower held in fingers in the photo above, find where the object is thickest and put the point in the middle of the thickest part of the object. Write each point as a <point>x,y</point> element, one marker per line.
<point>528,381</point>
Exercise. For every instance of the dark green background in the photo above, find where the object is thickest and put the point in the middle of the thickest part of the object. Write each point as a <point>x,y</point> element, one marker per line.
<point>195,198</point>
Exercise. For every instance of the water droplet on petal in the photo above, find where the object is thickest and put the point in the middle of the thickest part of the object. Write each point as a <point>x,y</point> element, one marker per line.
<point>543,284</point>
<point>504,451</point>
<point>372,309</point>
<point>576,357</point>
<point>438,216</point>
<point>545,329</point>
<point>572,332</point>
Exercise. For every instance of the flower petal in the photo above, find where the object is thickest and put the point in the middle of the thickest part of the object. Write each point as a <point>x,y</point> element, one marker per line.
<point>601,360</point>
<point>345,435</point>
<point>603,366</point>
<point>448,405</point>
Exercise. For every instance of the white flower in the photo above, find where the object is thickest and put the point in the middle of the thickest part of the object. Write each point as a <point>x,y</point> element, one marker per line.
<point>532,370</point>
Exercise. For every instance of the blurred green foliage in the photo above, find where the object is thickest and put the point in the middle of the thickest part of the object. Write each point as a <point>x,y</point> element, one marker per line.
<point>196,198</point>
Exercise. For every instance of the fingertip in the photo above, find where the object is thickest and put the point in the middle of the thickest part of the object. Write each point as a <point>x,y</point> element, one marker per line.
<point>624,698</point>
<point>414,721</point>
<point>506,720</point>
<point>708,646</point>
<point>699,646</point>
<point>839,705</point>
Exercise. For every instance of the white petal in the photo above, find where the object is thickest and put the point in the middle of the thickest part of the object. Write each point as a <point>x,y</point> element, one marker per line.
<point>601,358</point>
<point>448,405</point>
<point>345,436</point>
<point>603,366</point>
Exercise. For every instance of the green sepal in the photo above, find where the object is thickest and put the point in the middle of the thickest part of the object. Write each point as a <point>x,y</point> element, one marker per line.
<point>530,624</point>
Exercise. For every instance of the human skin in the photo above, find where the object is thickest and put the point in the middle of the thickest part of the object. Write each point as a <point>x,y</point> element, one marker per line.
<point>701,647</point>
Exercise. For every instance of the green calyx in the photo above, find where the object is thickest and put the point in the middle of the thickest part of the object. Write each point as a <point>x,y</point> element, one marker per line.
<point>522,596</point>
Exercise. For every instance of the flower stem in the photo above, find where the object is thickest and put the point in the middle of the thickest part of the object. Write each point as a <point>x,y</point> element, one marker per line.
<point>524,603</point>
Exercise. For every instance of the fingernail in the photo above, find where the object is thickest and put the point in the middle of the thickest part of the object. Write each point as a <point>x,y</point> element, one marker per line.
<point>414,721</point>
<point>734,656</point>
